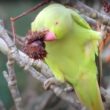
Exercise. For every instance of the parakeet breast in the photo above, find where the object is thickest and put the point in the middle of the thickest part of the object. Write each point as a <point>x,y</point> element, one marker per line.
<point>69,57</point>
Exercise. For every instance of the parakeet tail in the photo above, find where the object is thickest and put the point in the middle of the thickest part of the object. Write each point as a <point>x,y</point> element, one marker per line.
<point>89,94</point>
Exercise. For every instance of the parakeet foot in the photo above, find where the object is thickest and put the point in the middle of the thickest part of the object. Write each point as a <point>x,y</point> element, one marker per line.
<point>69,89</point>
<point>51,81</point>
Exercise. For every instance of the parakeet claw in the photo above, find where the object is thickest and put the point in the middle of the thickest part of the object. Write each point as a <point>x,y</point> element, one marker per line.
<point>69,89</point>
<point>49,82</point>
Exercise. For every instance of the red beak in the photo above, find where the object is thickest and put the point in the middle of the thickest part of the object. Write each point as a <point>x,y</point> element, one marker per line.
<point>50,36</point>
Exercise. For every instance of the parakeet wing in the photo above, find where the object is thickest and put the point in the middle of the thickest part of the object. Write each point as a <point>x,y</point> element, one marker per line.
<point>79,20</point>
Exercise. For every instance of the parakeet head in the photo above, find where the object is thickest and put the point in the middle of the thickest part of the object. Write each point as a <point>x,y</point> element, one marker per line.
<point>52,18</point>
<point>49,25</point>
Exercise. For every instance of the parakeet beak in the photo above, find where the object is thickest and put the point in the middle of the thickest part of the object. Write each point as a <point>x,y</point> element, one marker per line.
<point>50,36</point>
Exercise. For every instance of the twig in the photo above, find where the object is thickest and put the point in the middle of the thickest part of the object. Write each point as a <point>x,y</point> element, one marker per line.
<point>19,39</point>
<point>12,83</point>
<point>2,106</point>
<point>106,94</point>
<point>92,13</point>
<point>44,69</point>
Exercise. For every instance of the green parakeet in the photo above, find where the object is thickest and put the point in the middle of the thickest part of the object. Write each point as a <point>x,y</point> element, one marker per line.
<point>71,45</point>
